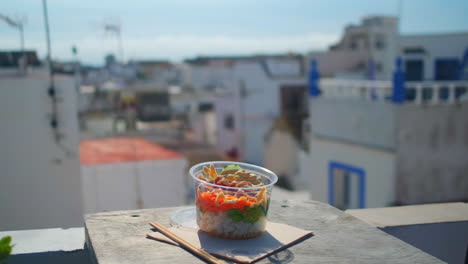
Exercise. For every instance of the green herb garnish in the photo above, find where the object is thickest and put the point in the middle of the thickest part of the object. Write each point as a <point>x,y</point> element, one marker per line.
<point>235,214</point>
<point>231,167</point>
<point>5,248</point>
<point>248,215</point>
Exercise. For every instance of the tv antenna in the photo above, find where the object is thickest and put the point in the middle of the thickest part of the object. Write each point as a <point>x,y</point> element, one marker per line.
<point>115,28</point>
<point>17,23</point>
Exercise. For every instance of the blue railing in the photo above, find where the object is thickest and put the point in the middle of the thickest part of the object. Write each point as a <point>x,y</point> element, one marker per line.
<point>397,90</point>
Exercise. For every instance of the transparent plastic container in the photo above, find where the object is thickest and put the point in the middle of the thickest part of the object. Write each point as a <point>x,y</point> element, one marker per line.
<point>232,212</point>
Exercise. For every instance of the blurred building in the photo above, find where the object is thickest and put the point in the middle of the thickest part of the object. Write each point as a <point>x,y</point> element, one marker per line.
<point>131,173</point>
<point>40,174</point>
<point>367,152</point>
<point>152,68</point>
<point>11,59</point>
<point>368,51</point>
<point>438,57</point>
<point>210,74</point>
<point>265,87</point>
<point>262,116</point>
<point>14,63</point>
<point>250,100</point>
<point>41,185</point>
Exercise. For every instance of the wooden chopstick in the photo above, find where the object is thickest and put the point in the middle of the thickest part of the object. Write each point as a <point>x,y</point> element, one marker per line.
<point>198,251</point>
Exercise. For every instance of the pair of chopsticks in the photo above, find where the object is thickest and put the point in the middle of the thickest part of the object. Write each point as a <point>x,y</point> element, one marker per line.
<point>197,251</point>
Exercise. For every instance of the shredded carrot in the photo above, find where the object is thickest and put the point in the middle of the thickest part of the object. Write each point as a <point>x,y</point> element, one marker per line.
<point>207,201</point>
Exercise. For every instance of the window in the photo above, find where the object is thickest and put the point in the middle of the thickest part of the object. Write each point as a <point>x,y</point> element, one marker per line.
<point>153,106</point>
<point>229,122</point>
<point>346,186</point>
<point>446,69</point>
<point>205,107</point>
<point>414,50</point>
<point>414,70</point>
<point>294,107</point>
<point>379,42</point>
<point>378,67</point>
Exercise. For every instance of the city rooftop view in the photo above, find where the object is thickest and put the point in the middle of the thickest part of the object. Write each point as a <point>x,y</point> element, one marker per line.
<point>241,131</point>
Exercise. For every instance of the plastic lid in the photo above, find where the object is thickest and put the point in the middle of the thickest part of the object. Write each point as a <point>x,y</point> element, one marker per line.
<point>186,217</point>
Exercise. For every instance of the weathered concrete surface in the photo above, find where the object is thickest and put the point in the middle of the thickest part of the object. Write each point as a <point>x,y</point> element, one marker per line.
<point>432,154</point>
<point>52,257</point>
<point>46,240</point>
<point>412,214</point>
<point>447,224</point>
<point>51,246</point>
<point>360,122</point>
<point>119,237</point>
<point>448,241</point>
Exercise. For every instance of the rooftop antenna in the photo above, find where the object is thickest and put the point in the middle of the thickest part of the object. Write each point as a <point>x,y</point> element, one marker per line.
<point>400,15</point>
<point>18,24</point>
<point>52,92</point>
<point>47,31</point>
<point>116,28</point>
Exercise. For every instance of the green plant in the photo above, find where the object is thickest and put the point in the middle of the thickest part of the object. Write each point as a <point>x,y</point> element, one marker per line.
<point>5,248</point>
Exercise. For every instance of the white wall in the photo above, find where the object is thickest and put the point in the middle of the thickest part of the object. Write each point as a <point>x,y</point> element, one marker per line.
<point>354,120</point>
<point>344,59</point>
<point>254,144</point>
<point>260,107</point>
<point>432,164</point>
<point>39,182</point>
<point>282,156</point>
<point>256,110</point>
<point>227,139</point>
<point>120,186</point>
<point>204,127</point>
<point>261,102</point>
<point>199,77</point>
<point>379,167</point>
<point>334,62</point>
<point>421,149</point>
<point>387,55</point>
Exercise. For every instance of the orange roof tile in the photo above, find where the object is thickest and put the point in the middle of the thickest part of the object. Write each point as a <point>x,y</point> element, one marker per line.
<point>112,150</point>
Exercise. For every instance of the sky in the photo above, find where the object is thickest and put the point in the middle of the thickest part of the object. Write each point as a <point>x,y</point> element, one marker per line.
<point>178,29</point>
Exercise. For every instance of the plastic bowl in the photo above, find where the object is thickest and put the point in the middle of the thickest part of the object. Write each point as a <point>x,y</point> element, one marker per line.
<point>232,212</point>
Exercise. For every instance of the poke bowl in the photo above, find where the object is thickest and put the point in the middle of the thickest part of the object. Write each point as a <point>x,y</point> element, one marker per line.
<point>232,198</point>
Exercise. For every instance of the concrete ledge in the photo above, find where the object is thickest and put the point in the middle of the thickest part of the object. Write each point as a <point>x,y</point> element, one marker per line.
<point>446,241</point>
<point>438,229</point>
<point>44,240</point>
<point>54,246</point>
<point>412,214</point>
<point>119,236</point>
<point>55,257</point>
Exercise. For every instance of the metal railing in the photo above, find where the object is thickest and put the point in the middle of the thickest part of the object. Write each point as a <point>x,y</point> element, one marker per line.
<point>364,89</point>
<point>433,93</point>
<point>395,90</point>
<point>440,92</point>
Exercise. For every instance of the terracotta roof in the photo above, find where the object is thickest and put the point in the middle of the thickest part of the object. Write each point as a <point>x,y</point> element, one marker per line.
<point>113,150</point>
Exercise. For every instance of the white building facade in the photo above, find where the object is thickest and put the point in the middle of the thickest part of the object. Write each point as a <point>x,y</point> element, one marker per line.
<point>368,51</point>
<point>40,184</point>
<point>372,152</point>
<point>246,112</point>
